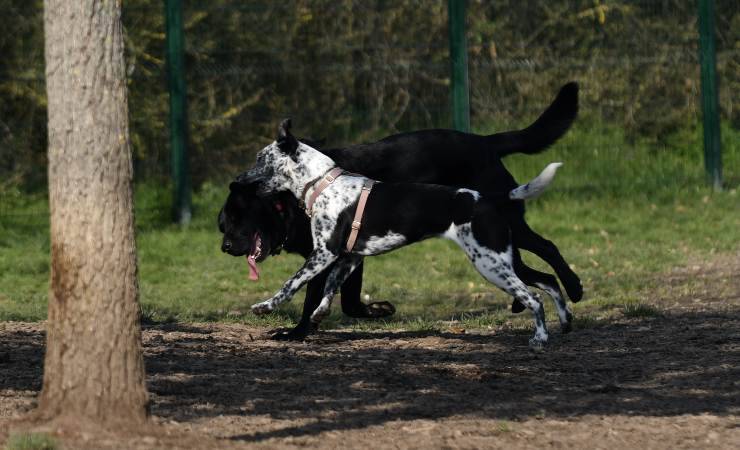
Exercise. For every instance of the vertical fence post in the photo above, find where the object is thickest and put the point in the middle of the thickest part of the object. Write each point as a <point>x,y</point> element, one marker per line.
<point>456,11</point>
<point>710,94</point>
<point>182,211</point>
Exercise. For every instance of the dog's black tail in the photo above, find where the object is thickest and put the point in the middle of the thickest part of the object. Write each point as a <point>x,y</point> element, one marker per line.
<point>548,128</point>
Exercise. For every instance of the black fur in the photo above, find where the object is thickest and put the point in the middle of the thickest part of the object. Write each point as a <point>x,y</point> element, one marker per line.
<point>431,156</point>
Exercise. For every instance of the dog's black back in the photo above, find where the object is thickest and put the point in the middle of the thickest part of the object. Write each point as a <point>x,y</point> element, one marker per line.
<point>455,158</point>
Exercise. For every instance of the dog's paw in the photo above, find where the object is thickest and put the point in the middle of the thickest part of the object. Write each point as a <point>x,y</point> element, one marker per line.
<point>299,333</point>
<point>374,310</point>
<point>537,345</point>
<point>319,314</point>
<point>321,311</point>
<point>567,326</point>
<point>263,307</point>
<point>290,335</point>
<point>377,310</point>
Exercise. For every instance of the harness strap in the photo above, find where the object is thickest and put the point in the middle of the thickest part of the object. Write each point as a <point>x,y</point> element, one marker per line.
<point>357,221</point>
<point>323,183</point>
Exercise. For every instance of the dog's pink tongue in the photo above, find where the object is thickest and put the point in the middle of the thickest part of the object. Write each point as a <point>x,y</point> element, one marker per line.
<point>254,272</point>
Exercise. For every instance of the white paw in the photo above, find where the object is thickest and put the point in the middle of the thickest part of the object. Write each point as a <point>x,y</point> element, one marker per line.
<point>537,344</point>
<point>319,314</point>
<point>263,307</point>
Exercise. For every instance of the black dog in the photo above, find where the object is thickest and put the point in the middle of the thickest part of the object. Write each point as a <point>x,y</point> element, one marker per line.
<point>432,156</point>
<point>353,217</point>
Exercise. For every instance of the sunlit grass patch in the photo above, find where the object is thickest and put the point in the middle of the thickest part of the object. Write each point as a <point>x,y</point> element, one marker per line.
<point>639,310</point>
<point>621,213</point>
<point>31,441</point>
<point>584,322</point>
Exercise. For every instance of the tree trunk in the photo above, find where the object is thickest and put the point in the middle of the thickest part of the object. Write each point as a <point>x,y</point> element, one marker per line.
<point>93,369</point>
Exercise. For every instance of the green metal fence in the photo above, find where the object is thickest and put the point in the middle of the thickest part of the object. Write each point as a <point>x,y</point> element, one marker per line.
<point>182,202</point>
<point>356,70</point>
<point>457,15</point>
<point>710,95</point>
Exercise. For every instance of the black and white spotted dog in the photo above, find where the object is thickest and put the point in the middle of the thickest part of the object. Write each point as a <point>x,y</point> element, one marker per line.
<point>396,214</point>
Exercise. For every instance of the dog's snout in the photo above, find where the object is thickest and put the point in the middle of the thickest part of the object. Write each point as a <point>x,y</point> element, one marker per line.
<point>226,246</point>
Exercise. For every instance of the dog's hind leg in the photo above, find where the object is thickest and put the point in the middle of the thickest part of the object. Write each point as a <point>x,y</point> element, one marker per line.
<point>351,290</point>
<point>526,238</point>
<point>351,304</point>
<point>547,283</point>
<point>341,271</point>
<point>496,266</point>
<point>319,259</point>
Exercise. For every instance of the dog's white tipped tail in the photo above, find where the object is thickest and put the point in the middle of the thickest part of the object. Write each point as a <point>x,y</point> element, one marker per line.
<point>536,186</point>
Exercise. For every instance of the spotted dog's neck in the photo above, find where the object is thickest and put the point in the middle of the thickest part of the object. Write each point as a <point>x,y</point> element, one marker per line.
<point>311,165</point>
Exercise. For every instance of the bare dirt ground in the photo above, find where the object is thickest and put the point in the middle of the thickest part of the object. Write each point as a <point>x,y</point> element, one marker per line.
<point>668,380</point>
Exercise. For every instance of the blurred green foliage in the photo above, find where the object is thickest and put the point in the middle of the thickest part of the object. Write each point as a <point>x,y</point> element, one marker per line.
<point>356,70</point>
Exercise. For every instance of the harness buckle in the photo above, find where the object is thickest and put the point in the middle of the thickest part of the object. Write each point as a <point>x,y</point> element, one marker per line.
<point>356,225</point>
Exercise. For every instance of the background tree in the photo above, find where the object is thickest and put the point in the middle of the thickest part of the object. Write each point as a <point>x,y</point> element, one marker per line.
<point>93,369</point>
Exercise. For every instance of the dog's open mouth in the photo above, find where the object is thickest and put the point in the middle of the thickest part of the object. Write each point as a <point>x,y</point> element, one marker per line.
<point>254,272</point>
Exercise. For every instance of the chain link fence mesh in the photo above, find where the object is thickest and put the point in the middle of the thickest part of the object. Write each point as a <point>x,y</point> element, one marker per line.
<point>355,70</point>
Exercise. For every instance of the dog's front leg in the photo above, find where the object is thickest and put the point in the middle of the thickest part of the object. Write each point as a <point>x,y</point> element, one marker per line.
<point>318,260</point>
<point>341,271</point>
<point>314,293</point>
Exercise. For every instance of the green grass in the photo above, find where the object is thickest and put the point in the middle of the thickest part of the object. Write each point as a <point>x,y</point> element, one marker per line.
<point>620,212</point>
<point>503,426</point>
<point>31,441</point>
<point>639,310</point>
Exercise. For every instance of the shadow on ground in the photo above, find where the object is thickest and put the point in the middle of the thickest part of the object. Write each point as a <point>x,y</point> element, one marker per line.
<point>685,363</point>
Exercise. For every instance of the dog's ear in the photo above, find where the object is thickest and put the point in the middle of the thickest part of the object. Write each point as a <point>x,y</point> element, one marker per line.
<point>256,188</point>
<point>286,141</point>
<point>250,176</point>
<point>242,187</point>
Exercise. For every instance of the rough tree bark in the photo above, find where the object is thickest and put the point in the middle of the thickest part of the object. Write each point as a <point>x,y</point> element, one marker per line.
<point>93,368</point>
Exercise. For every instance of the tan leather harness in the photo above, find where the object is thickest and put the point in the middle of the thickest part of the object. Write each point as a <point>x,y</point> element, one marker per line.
<point>323,183</point>
<point>357,221</point>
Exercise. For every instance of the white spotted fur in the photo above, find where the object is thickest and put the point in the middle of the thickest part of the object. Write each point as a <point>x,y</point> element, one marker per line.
<point>380,244</point>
